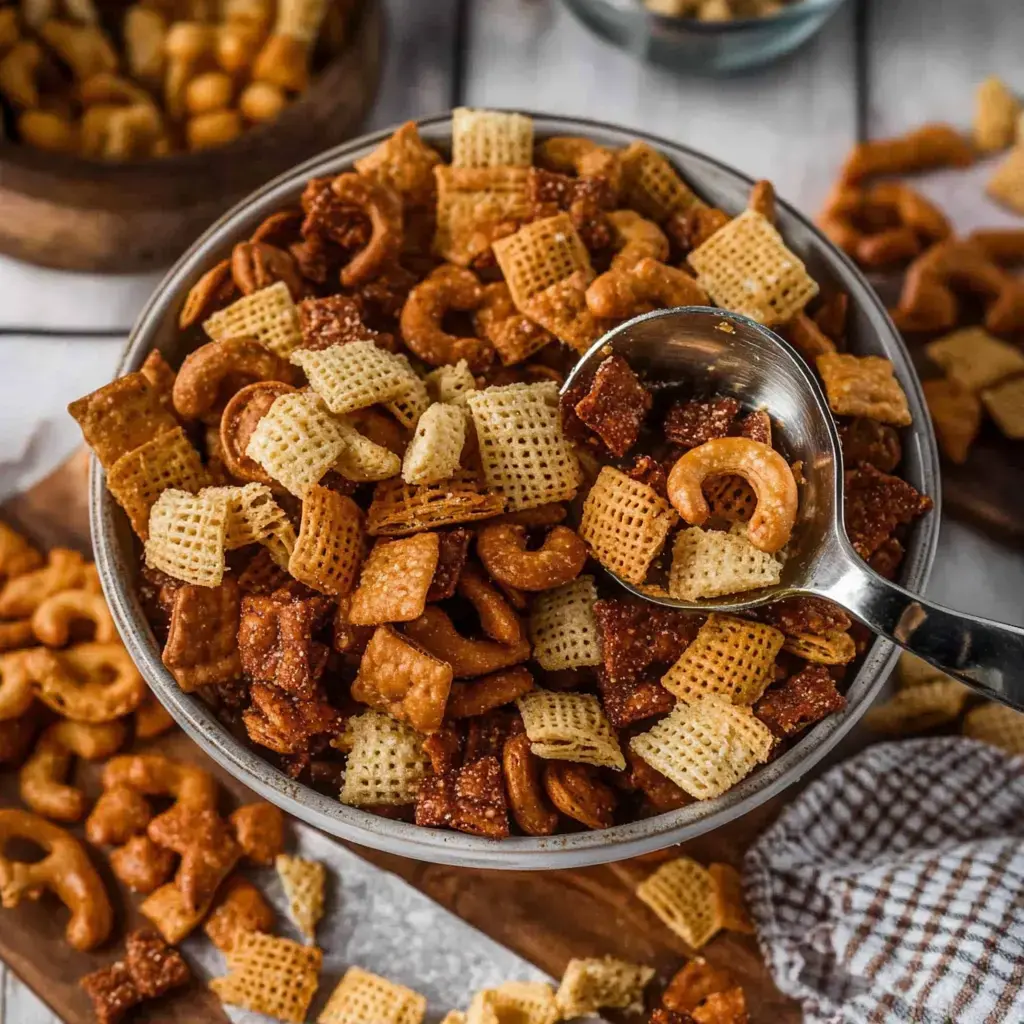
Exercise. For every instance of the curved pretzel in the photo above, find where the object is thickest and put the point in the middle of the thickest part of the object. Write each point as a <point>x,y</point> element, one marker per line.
<point>760,465</point>
<point>156,775</point>
<point>533,814</point>
<point>244,410</point>
<point>256,265</point>
<point>468,658</point>
<point>636,237</point>
<point>17,689</point>
<point>383,208</point>
<point>582,156</point>
<point>52,621</point>
<point>93,682</point>
<point>502,549</point>
<point>497,617</point>
<point>65,871</point>
<point>648,284</point>
<point>577,792</point>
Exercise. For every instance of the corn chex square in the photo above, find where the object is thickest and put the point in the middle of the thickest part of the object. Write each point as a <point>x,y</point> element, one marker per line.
<point>651,185</point>
<point>974,358</point>
<point>730,658</point>
<point>836,647</point>
<point>682,893</point>
<point>710,563</point>
<point>491,138</point>
<point>187,534</point>
<point>329,548</point>
<point>521,1002</point>
<point>919,708</point>
<point>746,267</point>
<point>253,514</point>
<point>412,401</point>
<point>625,523</point>
<point>570,727</point>
<point>706,747</point>
<point>399,508</point>
<point>303,883</point>
<point>590,984</point>
<point>863,386</point>
<point>435,451</point>
<point>1006,186</point>
<point>998,725</point>
<point>524,454</point>
<point>563,628</point>
<point>363,460</point>
<point>451,384</point>
<point>364,998</point>
<point>297,441</point>
<point>268,315</point>
<point>386,763</point>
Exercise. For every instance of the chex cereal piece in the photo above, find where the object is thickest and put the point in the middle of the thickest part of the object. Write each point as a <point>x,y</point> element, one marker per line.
<point>625,523</point>
<point>470,798</point>
<point>303,883</point>
<point>863,386</point>
<point>709,563</point>
<point>1006,186</point>
<point>682,893</point>
<point>651,185</point>
<point>268,315</point>
<point>996,110</point>
<point>454,1017</point>
<point>329,547</point>
<point>524,454</point>
<point>570,727</point>
<point>120,416</point>
<point>731,908</point>
<point>354,376</point>
<point>747,268</point>
<point>836,647</point>
<point>473,207</point>
<point>399,508</point>
<point>590,984</point>
<point>186,536</point>
<point>615,405</point>
<point>395,579</point>
<point>974,358</point>
<point>140,476</point>
<point>956,416</point>
<point>363,460</point>
<point>563,628</point>
<point>436,447</point>
<point>270,975</point>
<point>918,708</point>
<point>451,384</point>
<point>364,998</point>
<point>386,763</point>
<point>297,441</point>
<point>997,725</point>
<point>412,401</point>
<point>1005,404</point>
<point>521,1002</point>
<point>731,658</point>
<point>491,138</point>
<point>705,748</point>
<point>253,514</point>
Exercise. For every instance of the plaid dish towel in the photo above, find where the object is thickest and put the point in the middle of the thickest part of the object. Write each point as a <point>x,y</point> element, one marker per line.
<point>893,889</point>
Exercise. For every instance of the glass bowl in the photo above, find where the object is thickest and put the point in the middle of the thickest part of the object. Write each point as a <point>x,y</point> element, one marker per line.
<point>704,47</point>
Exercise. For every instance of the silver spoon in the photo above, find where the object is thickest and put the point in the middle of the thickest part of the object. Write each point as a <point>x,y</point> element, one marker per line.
<point>727,354</point>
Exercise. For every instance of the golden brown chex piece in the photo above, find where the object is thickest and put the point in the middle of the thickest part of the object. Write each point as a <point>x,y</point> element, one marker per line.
<point>386,762</point>
<point>187,535</point>
<point>863,386</point>
<point>625,523</point>
<point>563,628</point>
<point>524,1002</point>
<point>411,402</point>
<point>682,893</point>
<point>239,907</point>
<point>997,725</point>
<point>728,893</point>
<point>836,647</point>
<point>474,206</point>
<point>974,358</point>
<point>253,515</point>
<point>525,455</point>
<point>730,658</point>
<point>1006,186</point>
<point>570,727</point>
<point>120,416</point>
<point>918,708</point>
<point>491,138</point>
<point>140,476</point>
<point>705,748</point>
<point>303,883</point>
<point>746,267</point>
<point>710,563</point>
<point>270,975</point>
<point>590,984</point>
<point>329,547</point>
<point>956,416</point>
<point>435,450</point>
<point>996,110</point>
<point>405,163</point>
<point>364,998</point>
<point>1005,404</point>
<point>268,315</point>
<point>651,185</point>
<point>399,508</point>
<point>395,579</point>
<point>451,384</point>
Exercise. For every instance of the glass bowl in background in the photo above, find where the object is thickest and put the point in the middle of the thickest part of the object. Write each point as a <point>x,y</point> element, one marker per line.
<point>704,47</point>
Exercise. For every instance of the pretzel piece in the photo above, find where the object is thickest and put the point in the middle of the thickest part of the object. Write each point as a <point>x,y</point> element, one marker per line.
<point>53,621</point>
<point>90,682</point>
<point>468,658</point>
<point>502,547</point>
<point>240,907</point>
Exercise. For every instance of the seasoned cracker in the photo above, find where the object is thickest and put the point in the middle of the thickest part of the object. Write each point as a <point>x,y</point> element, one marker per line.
<point>435,450</point>
<point>956,416</point>
<point>187,536</point>
<point>570,727</point>
<point>491,138</point>
<point>918,708</point>
<point>329,547</point>
<point>395,579</point>
<point>364,998</point>
<point>386,763</point>
<point>996,110</point>
<point>863,386</point>
<point>470,799</point>
<point>1005,404</point>
<point>975,359</point>
<point>651,185</point>
<point>399,508</point>
<point>998,725</point>
<point>563,628</point>
<point>682,893</point>
<point>709,563</point>
<point>590,984</point>
<point>303,882</point>
<point>268,315</point>
<point>521,1002</point>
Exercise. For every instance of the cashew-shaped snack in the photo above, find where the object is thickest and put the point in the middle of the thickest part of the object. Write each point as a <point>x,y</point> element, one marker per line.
<point>648,284</point>
<point>383,206</point>
<point>52,621</point>
<point>502,549</point>
<point>212,374</point>
<point>498,618</point>
<point>156,775</point>
<point>468,658</point>
<point>119,813</point>
<point>40,781</point>
<point>92,682</point>
<point>635,237</point>
<point>19,70</point>
<point>760,465</point>
<point>17,685</point>
<point>530,807</point>
<point>446,288</point>
<point>65,870</point>
<point>582,156</point>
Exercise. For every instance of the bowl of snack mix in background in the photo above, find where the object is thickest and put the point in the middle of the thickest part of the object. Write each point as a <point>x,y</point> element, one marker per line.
<point>717,37</point>
<point>127,129</point>
<point>476,785</point>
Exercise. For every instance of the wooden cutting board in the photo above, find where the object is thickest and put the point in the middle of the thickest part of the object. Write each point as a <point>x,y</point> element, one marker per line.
<point>544,917</point>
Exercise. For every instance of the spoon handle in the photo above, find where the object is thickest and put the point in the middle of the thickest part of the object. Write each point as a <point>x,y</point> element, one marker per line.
<point>988,656</point>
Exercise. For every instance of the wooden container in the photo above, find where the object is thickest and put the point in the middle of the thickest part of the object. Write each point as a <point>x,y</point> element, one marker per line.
<point>75,214</point>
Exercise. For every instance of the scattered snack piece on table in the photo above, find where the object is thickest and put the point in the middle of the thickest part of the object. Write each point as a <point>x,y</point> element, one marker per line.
<point>303,882</point>
<point>592,984</point>
<point>996,724</point>
<point>364,998</point>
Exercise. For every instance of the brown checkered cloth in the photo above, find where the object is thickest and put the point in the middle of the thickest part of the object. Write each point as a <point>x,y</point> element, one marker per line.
<point>893,888</point>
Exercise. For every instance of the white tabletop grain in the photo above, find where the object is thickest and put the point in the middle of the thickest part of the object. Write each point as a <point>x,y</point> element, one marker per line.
<point>880,66</point>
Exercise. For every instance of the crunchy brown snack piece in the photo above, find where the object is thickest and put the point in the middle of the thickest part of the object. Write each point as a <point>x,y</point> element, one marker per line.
<point>202,640</point>
<point>863,386</point>
<point>120,812</point>
<point>661,792</point>
<point>468,658</point>
<point>924,148</point>
<point>956,416</point>
<point>577,791</point>
<point>629,701</point>
<point>399,509</point>
<point>636,635</point>
<point>23,592</point>
<point>142,864</point>
<point>875,503</point>
<point>17,555</point>
<point>468,700</point>
<point>515,337</point>
<point>259,830</point>
<point>868,440</point>
<point>798,615</point>
<point>530,807</point>
<point>468,799</point>
<point>615,405</point>
<point>692,423</point>
<point>799,701</point>
<point>453,550</point>
<point>693,984</point>
<point>395,580</point>
<point>239,907</point>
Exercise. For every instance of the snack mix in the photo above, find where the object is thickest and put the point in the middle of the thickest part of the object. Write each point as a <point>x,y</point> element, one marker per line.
<point>717,10</point>
<point>186,77</point>
<point>354,496</point>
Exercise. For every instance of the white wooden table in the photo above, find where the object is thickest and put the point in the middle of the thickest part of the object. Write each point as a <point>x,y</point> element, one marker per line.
<point>879,67</point>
